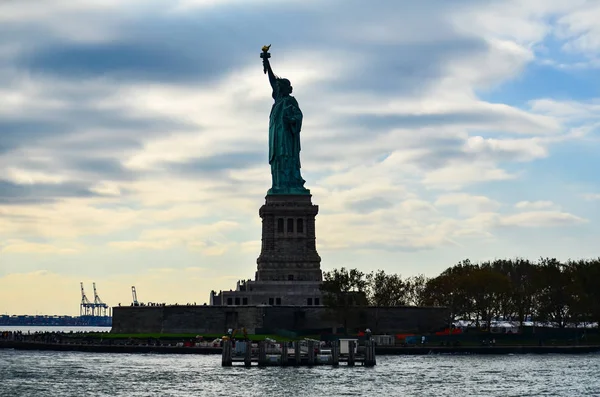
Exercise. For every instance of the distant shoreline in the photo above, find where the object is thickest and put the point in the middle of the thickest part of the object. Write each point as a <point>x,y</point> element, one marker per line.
<point>380,351</point>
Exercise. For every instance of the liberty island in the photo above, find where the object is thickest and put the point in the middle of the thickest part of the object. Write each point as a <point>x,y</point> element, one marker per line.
<point>285,296</point>
<point>285,293</point>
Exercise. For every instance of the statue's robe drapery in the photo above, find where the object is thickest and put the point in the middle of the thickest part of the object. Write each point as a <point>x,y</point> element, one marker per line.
<point>285,123</point>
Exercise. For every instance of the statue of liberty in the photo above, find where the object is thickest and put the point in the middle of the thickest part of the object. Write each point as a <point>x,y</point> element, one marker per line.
<point>285,123</point>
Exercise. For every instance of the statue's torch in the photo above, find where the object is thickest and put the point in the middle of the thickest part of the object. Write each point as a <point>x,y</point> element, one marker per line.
<point>265,55</point>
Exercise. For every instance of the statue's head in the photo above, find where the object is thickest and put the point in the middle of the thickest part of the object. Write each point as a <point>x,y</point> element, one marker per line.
<point>284,86</point>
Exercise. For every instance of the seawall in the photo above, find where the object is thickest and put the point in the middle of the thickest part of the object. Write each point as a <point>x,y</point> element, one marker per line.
<point>380,351</point>
<point>268,319</point>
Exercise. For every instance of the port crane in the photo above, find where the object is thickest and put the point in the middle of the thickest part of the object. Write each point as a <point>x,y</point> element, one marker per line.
<point>134,295</point>
<point>86,308</point>
<point>101,307</point>
<point>97,308</point>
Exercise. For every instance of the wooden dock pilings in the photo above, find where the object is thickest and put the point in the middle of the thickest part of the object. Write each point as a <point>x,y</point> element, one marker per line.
<point>335,354</point>
<point>311,353</point>
<point>297,357</point>
<point>226,358</point>
<point>370,358</point>
<point>247,356</point>
<point>284,354</point>
<point>351,353</point>
<point>305,353</point>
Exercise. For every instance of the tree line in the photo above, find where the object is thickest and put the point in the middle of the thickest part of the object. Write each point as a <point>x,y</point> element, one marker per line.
<point>547,290</point>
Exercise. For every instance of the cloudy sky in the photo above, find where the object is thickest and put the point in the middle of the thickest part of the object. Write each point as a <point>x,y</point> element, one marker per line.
<point>133,138</point>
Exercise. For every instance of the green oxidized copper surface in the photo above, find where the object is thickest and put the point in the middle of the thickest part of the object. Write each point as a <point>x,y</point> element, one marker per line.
<point>285,123</point>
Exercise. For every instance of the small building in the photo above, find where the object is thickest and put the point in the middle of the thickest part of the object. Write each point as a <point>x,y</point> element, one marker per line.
<point>384,340</point>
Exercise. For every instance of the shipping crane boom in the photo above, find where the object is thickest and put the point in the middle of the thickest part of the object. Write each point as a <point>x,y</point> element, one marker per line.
<point>134,295</point>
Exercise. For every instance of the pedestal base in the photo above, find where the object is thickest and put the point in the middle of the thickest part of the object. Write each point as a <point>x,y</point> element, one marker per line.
<point>288,250</point>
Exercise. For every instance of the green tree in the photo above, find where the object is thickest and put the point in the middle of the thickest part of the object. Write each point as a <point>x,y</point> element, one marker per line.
<point>443,291</point>
<point>590,279</point>
<point>523,293</point>
<point>343,290</point>
<point>554,284</point>
<point>584,290</point>
<point>386,289</point>
<point>488,289</point>
<point>460,294</point>
<point>415,290</point>
<point>546,290</point>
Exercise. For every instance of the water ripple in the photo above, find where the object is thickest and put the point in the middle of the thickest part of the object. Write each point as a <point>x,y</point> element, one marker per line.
<point>42,374</point>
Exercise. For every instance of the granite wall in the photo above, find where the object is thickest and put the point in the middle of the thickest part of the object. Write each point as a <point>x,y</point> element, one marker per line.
<point>218,319</point>
<point>288,250</point>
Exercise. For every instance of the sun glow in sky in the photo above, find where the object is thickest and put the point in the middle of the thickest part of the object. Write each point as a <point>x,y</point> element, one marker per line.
<point>133,138</point>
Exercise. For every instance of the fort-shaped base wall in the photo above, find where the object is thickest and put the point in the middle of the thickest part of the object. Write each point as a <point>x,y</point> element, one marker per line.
<point>268,319</point>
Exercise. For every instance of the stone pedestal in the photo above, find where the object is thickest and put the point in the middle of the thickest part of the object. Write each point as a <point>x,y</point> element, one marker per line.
<point>289,267</point>
<point>288,250</point>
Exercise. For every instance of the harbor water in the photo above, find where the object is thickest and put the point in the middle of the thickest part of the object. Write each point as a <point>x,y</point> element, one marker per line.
<point>41,374</point>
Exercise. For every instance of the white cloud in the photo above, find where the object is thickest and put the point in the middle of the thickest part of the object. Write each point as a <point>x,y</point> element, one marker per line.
<point>251,247</point>
<point>568,110</point>
<point>535,205</point>
<point>416,206</point>
<point>488,221</point>
<point>467,204</point>
<point>504,60</point>
<point>92,21</point>
<point>24,247</point>
<point>592,196</point>
<point>210,239</point>
<point>68,219</point>
<point>107,188</point>
<point>23,177</point>
<point>188,5</point>
<point>525,23</point>
<point>541,219</point>
<point>456,176</point>
<point>381,230</point>
<point>513,149</point>
<point>145,245</point>
<point>580,29</point>
<point>195,269</point>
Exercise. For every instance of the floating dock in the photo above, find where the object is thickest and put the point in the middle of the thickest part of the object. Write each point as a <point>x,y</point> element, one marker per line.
<point>300,353</point>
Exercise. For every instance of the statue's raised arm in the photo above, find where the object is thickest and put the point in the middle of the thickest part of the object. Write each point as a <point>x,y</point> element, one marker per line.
<point>265,55</point>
